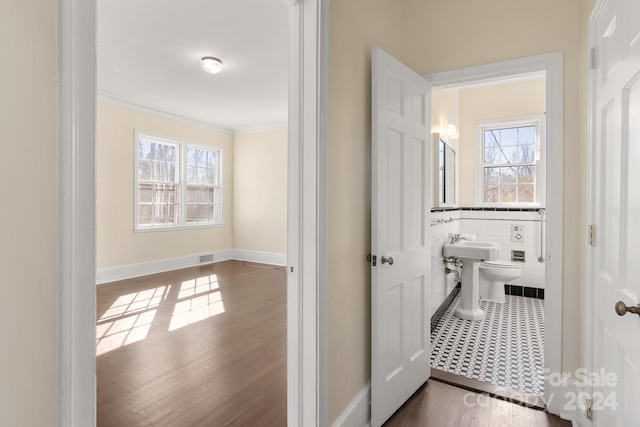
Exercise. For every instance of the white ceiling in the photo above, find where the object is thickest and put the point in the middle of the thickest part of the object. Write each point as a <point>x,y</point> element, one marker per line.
<point>149,56</point>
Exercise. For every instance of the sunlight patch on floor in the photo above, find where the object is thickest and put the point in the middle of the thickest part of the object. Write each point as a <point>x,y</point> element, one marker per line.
<point>128,319</point>
<point>198,300</point>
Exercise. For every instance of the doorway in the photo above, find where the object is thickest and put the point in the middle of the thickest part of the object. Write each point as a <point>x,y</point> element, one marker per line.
<point>550,68</point>
<point>307,397</point>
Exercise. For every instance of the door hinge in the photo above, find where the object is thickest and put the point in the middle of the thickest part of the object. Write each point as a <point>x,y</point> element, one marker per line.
<point>589,410</point>
<point>592,235</point>
<point>372,259</point>
<point>593,58</point>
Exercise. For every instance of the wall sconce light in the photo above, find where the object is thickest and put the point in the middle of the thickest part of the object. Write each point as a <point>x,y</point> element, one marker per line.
<point>452,132</point>
<point>211,64</point>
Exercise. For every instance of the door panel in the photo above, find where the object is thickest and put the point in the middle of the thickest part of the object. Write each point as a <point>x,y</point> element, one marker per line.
<point>617,213</point>
<point>400,211</point>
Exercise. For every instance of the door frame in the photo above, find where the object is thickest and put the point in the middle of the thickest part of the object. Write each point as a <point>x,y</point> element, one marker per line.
<point>307,269</point>
<point>552,65</point>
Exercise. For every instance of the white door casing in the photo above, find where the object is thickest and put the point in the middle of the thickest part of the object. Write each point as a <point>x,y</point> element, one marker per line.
<point>401,185</point>
<point>615,211</point>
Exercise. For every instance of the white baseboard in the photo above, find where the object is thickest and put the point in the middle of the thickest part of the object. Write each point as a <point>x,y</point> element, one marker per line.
<point>260,257</point>
<point>113,274</point>
<point>358,413</point>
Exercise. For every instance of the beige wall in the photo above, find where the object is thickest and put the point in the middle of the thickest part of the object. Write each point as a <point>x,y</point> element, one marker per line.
<point>29,217</point>
<point>117,244</point>
<point>356,26</point>
<point>260,191</point>
<point>504,101</point>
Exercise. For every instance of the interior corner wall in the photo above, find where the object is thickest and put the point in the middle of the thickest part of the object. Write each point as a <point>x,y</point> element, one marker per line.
<point>445,110</point>
<point>495,102</point>
<point>355,27</point>
<point>29,219</point>
<point>117,243</point>
<point>260,191</point>
<point>447,35</point>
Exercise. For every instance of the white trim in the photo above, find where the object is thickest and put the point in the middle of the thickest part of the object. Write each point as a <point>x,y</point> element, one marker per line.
<point>551,64</point>
<point>119,102</point>
<point>358,412</point>
<point>130,105</point>
<point>123,272</point>
<point>259,257</point>
<point>261,128</point>
<point>307,282</point>
<point>77,213</point>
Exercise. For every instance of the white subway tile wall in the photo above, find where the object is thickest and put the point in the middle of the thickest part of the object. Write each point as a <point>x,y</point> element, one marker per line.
<point>493,226</point>
<point>496,227</point>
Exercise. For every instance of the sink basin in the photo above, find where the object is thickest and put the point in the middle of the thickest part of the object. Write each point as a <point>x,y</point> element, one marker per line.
<point>472,249</point>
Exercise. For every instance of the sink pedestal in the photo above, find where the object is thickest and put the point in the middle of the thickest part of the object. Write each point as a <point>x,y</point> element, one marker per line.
<point>469,294</point>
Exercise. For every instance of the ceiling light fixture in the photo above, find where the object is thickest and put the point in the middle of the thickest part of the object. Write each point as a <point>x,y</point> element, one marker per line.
<point>211,64</point>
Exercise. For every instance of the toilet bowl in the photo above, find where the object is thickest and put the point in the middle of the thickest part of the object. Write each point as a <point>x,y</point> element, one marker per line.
<point>492,277</point>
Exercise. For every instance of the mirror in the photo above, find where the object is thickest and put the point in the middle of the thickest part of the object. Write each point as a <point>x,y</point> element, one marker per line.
<point>445,176</point>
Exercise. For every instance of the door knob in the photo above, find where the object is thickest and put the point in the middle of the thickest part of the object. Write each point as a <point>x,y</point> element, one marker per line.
<point>622,309</point>
<point>387,259</point>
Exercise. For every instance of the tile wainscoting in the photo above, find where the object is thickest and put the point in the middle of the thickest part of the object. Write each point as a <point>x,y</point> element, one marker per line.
<point>488,224</point>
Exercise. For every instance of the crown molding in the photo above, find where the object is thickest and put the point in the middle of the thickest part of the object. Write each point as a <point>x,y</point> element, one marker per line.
<point>261,128</point>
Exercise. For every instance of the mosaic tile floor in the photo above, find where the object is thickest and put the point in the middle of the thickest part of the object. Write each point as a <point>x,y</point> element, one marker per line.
<point>505,348</point>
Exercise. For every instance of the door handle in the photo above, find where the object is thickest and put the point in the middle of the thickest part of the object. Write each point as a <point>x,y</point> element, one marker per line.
<point>622,309</point>
<point>387,259</point>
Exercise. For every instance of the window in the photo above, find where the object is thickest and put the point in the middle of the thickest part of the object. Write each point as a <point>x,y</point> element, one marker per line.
<point>512,162</point>
<point>177,184</point>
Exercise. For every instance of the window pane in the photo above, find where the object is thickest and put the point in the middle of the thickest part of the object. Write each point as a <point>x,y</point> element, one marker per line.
<point>211,159</point>
<point>491,138</point>
<point>191,156</point>
<point>508,193</point>
<point>206,195</point>
<point>192,195</point>
<point>144,214</point>
<point>526,174</point>
<point>508,136</point>
<point>526,193</point>
<point>171,154</point>
<point>211,177</point>
<point>202,176</point>
<point>144,150</point>
<point>491,194</point>
<point>527,135</point>
<point>491,176</point>
<point>191,175</point>
<point>192,213</point>
<point>203,213</point>
<point>145,194</point>
<point>144,170</point>
<point>507,175</point>
<point>527,153</point>
<point>159,151</point>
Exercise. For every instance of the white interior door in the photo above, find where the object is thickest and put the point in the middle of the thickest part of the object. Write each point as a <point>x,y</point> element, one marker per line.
<point>400,238</point>
<point>616,211</point>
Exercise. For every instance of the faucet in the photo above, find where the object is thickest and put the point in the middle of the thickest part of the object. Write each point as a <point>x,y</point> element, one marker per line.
<point>455,238</point>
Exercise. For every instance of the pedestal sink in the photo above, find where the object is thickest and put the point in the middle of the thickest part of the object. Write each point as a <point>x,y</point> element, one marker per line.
<point>471,253</point>
<point>487,251</point>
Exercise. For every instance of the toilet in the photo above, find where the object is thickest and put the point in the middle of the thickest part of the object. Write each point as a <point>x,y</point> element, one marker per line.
<point>493,276</point>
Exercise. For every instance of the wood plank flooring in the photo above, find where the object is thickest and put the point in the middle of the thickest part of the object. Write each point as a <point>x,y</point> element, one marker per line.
<point>207,347</point>
<point>437,404</point>
<point>197,347</point>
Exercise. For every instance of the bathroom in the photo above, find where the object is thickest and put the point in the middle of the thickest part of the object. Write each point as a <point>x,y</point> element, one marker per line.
<point>489,180</point>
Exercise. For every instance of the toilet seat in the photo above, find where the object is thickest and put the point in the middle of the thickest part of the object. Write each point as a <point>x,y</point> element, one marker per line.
<point>506,265</point>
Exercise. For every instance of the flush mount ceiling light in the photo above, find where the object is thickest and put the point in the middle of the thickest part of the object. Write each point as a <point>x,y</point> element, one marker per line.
<point>211,64</point>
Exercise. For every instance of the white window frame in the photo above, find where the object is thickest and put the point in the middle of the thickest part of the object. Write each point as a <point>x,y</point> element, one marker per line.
<point>181,183</point>
<point>539,121</point>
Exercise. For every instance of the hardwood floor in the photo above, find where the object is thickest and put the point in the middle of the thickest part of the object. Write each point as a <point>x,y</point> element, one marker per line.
<point>197,347</point>
<point>437,404</point>
<point>207,347</point>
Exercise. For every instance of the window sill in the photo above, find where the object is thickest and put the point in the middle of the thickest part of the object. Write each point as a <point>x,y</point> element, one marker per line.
<point>177,228</point>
